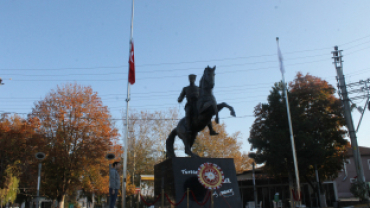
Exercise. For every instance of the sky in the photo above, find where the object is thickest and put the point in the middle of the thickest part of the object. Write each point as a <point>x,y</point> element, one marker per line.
<point>48,43</point>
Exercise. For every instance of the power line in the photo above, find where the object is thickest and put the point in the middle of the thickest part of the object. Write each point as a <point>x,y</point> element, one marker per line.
<point>192,62</point>
<point>350,48</point>
<point>243,87</point>
<point>355,40</point>
<point>172,76</point>
<point>147,96</point>
<point>353,52</point>
<point>252,86</point>
<point>156,94</point>
<point>170,63</point>
<point>123,119</point>
<point>146,72</point>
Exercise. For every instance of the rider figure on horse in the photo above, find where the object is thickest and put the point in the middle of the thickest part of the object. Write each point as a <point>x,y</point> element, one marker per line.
<point>191,93</point>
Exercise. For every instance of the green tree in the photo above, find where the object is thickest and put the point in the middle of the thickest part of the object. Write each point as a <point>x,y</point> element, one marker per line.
<point>10,185</point>
<point>317,118</point>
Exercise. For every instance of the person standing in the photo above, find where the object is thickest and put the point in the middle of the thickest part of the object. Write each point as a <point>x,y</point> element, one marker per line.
<point>114,183</point>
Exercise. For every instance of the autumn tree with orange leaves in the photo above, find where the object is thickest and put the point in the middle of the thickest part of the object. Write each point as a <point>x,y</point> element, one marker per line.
<point>18,144</point>
<point>77,131</point>
<point>222,146</point>
<point>148,132</point>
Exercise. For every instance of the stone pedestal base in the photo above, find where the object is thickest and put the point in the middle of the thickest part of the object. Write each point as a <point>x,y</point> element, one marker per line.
<point>175,175</point>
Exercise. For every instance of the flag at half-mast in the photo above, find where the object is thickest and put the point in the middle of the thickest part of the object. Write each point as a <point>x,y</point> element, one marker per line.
<point>131,63</point>
<point>281,60</point>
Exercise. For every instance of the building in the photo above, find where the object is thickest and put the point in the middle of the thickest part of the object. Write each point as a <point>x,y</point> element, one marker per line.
<point>348,174</point>
<point>336,190</point>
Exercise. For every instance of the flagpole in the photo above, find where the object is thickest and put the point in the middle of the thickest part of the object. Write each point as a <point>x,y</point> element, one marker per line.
<point>290,123</point>
<point>127,121</point>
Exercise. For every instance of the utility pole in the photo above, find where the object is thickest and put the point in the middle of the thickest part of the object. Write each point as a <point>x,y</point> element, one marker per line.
<point>362,111</point>
<point>338,64</point>
<point>365,91</point>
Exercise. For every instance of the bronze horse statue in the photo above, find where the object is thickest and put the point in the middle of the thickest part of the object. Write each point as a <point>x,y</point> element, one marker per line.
<point>207,107</point>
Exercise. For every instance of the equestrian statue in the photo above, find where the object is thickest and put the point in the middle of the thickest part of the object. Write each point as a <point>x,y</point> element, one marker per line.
<point>201,106</point>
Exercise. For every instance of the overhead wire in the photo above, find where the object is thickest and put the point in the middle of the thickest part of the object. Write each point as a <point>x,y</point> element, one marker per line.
<point>158,64</point>
<point>205,61</point>
<point>367,36</point>
<point>147,95</point>
<point>118,119</point>
<point>161,77</point>
<point>169,105</point>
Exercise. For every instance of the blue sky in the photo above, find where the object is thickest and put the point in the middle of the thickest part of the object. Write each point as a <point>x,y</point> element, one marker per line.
<point>46,43</point>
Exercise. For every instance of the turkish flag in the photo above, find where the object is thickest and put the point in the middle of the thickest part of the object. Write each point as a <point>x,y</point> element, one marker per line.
<point>131,62</point>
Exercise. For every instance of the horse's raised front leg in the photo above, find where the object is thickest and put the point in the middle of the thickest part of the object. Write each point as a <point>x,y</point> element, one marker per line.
<point>225,105</point>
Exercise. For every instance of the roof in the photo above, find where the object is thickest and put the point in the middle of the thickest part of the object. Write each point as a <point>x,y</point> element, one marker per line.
<point>248,174</point>
<point>363,151</point>
<point>259,173</point>
<point>147,177</point>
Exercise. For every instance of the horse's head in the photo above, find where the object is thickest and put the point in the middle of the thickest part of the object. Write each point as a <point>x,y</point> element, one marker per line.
<point>208,78</point>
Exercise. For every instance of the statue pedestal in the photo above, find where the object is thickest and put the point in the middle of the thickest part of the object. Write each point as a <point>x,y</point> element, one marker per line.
<point>175,175</point>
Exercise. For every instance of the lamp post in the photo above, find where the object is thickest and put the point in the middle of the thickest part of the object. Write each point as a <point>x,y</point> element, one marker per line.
<point>40,156</point>
<point>253,155</point>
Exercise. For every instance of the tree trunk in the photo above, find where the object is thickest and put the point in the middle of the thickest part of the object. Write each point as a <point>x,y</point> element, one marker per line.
<point>314,188</point>
<point>61,200</point>
<point>291,187</point>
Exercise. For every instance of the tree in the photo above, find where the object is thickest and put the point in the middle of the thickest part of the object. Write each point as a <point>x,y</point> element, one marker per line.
<point>95,182</point>
<point>222,146</point>
<point>147,139</point>
<point>317,118</point>
<point>9,189</point>
<point>77,130</point>
<point>18,144</point>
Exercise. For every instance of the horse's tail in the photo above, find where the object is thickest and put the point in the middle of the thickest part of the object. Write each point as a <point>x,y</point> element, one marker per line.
<point>169,144</point>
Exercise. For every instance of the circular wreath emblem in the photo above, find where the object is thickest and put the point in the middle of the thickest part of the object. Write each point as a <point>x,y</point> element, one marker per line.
<point>210,176</point>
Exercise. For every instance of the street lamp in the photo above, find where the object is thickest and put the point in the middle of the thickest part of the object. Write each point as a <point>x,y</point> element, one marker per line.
<point>253,155</point>
<point>1,81</point>
<point>40,156</point>
<point>110,156</point>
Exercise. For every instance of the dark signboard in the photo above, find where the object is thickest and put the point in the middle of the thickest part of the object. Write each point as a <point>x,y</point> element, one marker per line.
<point>175,175</point>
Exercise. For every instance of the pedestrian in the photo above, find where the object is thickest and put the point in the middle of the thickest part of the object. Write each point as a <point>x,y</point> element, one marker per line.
<point>114,183</point>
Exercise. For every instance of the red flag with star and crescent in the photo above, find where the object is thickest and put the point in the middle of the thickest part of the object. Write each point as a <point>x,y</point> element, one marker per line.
<point>131,62</point>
